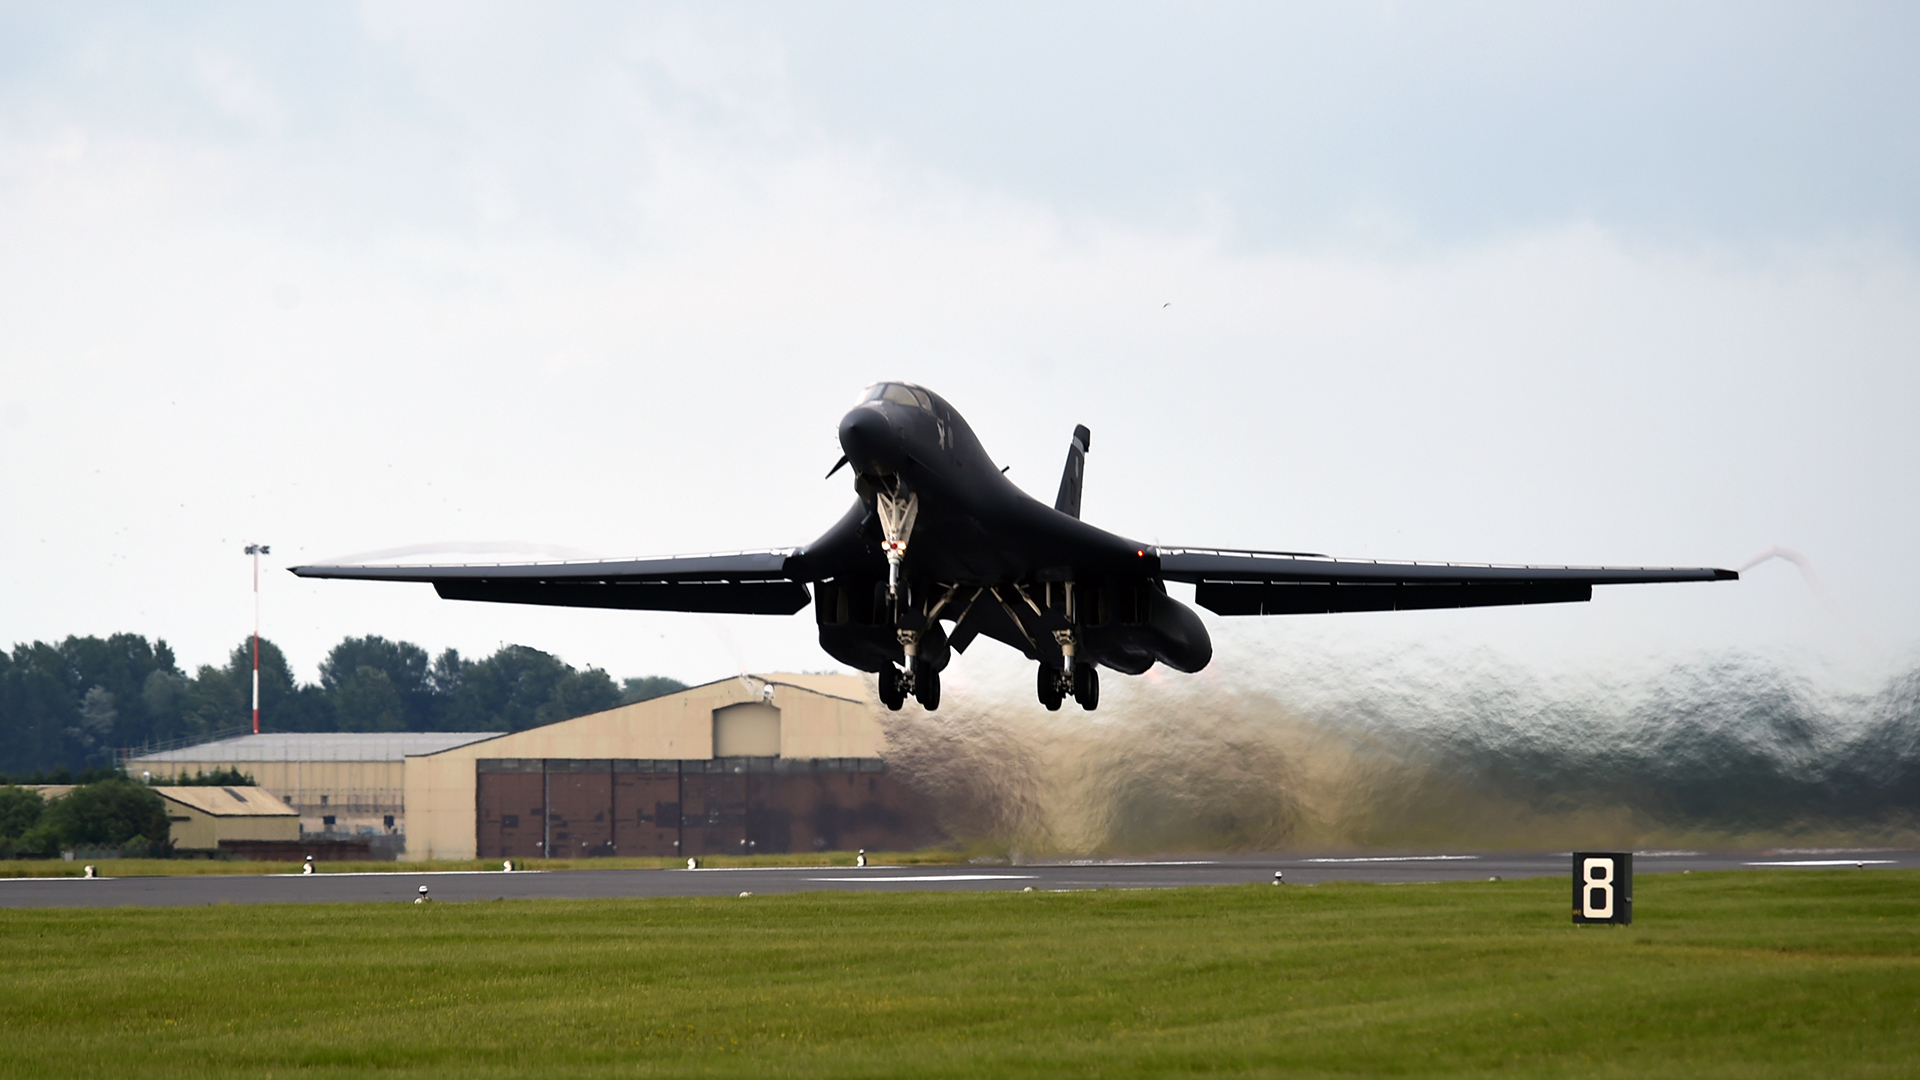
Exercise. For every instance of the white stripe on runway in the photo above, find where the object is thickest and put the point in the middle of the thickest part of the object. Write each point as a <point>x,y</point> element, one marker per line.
<point>1397,858</point>
<point>1828,862</point>
<point>931,877</point>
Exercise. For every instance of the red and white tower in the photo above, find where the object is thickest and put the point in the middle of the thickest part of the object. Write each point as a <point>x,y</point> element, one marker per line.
<point>256,550</point>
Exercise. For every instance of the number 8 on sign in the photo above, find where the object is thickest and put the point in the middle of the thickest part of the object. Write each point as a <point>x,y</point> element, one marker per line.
<point>1596,896</point>
<point>1603,887</point>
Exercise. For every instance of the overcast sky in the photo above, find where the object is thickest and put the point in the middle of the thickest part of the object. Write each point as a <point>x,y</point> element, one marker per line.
<point>1493,282</point>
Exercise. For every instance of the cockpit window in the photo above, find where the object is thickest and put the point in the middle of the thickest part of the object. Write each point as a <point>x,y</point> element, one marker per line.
<point>899,394</point>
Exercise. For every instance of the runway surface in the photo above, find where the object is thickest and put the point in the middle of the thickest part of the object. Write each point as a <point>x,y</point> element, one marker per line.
<point>325,888</point>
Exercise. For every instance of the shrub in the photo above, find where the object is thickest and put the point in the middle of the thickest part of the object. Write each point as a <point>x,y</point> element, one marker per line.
<point>108,812</point>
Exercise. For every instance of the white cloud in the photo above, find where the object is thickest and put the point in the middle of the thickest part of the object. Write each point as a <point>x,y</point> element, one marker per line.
<point>618,305</point>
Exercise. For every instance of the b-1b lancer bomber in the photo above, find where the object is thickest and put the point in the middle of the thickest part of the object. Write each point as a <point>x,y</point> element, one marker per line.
<point>941,548</point>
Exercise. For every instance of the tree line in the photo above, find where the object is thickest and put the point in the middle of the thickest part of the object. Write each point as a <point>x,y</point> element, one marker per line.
<point>68,706</point>
<point>105,811</point>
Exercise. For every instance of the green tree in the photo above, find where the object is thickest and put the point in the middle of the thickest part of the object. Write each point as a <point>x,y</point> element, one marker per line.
<point>648,688</point>
<point>577,693</point>
<point>37,706</point>
<point>222,697</point>
<point>120,665</point>
<point>444,678</point>
<point>406,672</point>
<point>368,701</point>
<point>518,688</point>
<point>111,811</point>
<point>20,811</point>
<point>90,737</point>
<point>502,692</point>
<point>161,694</point>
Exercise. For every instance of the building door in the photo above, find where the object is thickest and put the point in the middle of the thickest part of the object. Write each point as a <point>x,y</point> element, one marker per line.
<point>579,808</point>
<point>511,807</point>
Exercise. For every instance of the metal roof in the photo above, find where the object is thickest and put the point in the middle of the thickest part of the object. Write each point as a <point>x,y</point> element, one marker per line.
<point>314,746</point>
<point>229,801</point>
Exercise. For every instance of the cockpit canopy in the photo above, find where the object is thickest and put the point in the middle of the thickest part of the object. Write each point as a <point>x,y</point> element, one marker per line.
<point>899,394</point>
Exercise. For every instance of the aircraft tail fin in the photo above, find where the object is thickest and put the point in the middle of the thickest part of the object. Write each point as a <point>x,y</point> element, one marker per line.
<point>1069,499</point>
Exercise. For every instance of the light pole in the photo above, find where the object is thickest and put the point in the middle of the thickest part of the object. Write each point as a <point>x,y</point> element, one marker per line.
<point>256,550</point>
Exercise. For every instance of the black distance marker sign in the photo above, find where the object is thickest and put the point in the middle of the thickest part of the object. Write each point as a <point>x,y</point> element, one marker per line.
<point>1603,887</point>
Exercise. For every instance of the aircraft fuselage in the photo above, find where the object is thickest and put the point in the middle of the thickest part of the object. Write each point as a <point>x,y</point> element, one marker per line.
<point>977,552</point>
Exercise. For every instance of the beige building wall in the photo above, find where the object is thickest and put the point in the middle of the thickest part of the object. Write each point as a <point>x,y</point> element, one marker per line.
<point>358,779</point>
<point>355,792</point>
<point>201,817</point>
<point>820,716</point>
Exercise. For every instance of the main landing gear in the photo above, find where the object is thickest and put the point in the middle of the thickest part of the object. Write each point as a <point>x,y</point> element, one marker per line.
<point>1054,685</point>
<point>920,682</point>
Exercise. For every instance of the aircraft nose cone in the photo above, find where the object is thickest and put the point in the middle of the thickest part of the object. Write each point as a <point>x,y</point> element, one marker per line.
<point>869,440</point>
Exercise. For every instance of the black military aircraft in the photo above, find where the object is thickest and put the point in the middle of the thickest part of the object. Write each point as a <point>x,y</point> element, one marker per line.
<point>941,548</point>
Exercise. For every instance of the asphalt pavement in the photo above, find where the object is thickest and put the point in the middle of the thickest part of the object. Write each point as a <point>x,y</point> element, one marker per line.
<point>404,886</point>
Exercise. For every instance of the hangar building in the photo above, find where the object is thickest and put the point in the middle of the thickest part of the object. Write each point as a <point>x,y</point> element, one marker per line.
<point>342,783</point>
<point>203,818</point>
<point>752,764</point>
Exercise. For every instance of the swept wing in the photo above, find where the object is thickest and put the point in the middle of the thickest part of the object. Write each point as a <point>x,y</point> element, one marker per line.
<point>1295,583</point>
<point>740,582</point>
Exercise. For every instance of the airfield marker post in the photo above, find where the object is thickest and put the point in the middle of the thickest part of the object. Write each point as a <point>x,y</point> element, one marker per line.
<point>1603,887</point>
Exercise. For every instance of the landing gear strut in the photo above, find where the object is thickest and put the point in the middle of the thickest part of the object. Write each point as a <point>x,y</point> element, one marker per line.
<point>896,525</point>
<point>1075,676</point>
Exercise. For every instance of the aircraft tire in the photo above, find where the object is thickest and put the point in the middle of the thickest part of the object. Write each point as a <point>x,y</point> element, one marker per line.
<point>892,695</point>
<point>1048,687</point>
<point>926,689</point>
<point>1086,686</point>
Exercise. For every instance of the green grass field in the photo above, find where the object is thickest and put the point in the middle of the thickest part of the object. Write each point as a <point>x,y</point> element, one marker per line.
<point>1810,973</point>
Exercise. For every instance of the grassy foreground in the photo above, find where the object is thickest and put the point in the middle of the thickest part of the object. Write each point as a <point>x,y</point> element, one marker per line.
<point>1740,974</point>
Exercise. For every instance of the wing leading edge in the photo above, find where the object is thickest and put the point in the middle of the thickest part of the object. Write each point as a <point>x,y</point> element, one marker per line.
<point>1290,583</point>
<point>742,583</point>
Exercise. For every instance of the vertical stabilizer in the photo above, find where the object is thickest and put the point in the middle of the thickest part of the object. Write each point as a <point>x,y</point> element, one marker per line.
<point>1069,500</point>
